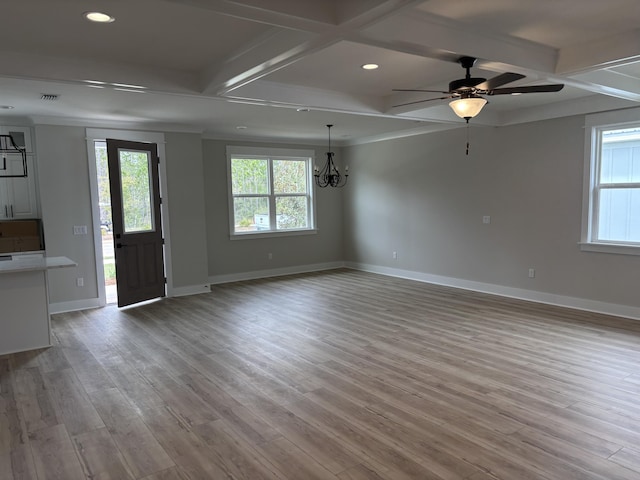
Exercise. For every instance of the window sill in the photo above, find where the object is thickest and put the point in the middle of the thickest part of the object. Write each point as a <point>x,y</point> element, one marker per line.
<point>610,248</point>
<point>288,233</point>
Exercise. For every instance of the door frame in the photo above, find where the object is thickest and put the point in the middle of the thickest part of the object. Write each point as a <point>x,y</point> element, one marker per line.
<point>101,134</point>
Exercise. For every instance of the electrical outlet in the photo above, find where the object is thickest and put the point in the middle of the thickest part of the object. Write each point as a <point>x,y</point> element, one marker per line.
<point>395,255</point>
<point>532,273</point>
<point>486,219</point>
<point>270,256</point>
<point>80,282</point>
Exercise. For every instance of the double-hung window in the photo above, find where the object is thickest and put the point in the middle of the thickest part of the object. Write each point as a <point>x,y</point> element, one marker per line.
<point>270,191</point>
<point>611,222</point>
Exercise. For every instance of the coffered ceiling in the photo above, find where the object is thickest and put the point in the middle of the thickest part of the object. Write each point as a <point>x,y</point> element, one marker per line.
<point>285,68</point>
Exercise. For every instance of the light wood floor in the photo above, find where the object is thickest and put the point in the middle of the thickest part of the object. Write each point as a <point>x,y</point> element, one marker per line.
<point>340,375</point>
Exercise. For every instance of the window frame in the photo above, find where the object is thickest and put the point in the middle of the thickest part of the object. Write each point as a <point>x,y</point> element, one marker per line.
<point>595,125</point>
<point>271,154</point>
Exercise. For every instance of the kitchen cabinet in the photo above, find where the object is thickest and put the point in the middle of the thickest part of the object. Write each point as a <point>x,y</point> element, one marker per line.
<point>21,236</point>
<point>24,297</point>
<point>18,199</point>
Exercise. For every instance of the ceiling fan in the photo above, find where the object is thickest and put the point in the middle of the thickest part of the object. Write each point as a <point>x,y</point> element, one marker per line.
<point>467,92</point>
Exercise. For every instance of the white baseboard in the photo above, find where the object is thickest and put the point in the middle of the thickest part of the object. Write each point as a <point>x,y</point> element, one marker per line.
<point>74,305</point>
<point>276,272</point>
<point>188,290</point>
<point>585,304</point>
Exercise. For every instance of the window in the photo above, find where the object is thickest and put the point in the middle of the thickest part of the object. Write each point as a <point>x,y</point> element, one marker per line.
<point>612,218</point>
<point>270,191</point>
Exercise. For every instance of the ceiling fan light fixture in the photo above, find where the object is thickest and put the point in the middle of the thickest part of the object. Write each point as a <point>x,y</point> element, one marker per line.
<point>467,107</point>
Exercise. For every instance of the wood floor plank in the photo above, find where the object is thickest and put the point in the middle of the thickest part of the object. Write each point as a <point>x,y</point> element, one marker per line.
<point>183,446</point>
<point>52,360</point>
<point>182,400</point>
<point>628,458</point>
<point>18,464</point>
<point>266,379</point>
<point>34,399</point>
<point>436,460</point>
<point>72,402</point>
<point>359,472</point>
<point>142,453</point>
<point>566,452</point>
<point>54,455</point>
<point>294,462</point>
<point>131,383</point>
<point>13,428</point>
<point>173,473</point>
<point>325,449</point>
<point>99,456</point>
<point>375,451</point>
<point>238,459</point>
<point>239,415</point>
<point>87,368</point>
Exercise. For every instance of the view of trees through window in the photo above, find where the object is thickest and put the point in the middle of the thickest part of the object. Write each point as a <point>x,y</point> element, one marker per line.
<point>270,194</point>
<point>104,205</point>
<point>136,191</point>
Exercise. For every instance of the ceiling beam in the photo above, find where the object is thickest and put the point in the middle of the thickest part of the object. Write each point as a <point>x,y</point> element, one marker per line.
<point>602,53</point>
<point>441,38</point>
<point>301,38</point>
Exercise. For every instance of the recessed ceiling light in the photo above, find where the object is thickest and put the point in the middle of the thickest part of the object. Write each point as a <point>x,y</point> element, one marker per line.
<point>7,107</point>
<point>241,127</point>
<point>303,109</point>
<point>370,66</point>
<point>98,17</point>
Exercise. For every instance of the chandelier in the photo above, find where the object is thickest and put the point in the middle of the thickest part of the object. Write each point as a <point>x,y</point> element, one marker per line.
<point>329,176</point>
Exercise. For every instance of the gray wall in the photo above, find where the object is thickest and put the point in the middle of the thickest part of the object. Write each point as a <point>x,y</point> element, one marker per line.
<point>422,197</point>
<point>65,199</point>
<point>198,216</point>
<point>419,196</point>
<point>186,209</point>
<point>233,257</point>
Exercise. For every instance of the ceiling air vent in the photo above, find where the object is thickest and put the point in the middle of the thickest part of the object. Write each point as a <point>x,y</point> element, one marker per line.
<point>49,96</point>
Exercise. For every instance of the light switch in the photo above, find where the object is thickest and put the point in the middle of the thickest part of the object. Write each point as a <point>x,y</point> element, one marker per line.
<point>79,229</point>
<point>486,219</point>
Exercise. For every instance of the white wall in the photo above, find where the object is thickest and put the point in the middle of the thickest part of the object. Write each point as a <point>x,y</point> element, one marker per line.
<point>422,197</point>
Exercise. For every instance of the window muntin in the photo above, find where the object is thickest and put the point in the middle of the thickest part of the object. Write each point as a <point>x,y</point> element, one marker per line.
<point>270,194</point>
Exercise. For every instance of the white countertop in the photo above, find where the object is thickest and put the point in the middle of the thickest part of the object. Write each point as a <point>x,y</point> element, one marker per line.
<point>25,263</point>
